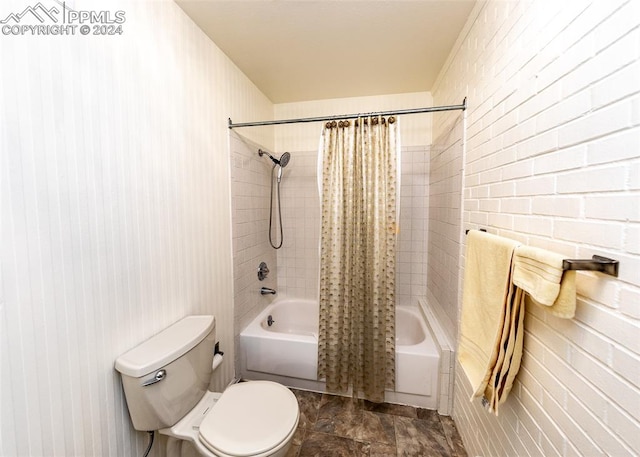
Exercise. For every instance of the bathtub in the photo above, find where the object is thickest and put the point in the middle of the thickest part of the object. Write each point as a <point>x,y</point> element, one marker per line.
<point>287,351</point>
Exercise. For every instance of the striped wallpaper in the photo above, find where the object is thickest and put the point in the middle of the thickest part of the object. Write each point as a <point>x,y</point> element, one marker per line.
<point>115,216</point>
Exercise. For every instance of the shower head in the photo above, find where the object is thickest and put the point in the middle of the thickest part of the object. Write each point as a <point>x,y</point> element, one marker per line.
<point>283,161</point>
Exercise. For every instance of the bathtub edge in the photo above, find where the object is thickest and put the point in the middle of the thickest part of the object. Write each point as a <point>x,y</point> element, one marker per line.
<point>447,358</point>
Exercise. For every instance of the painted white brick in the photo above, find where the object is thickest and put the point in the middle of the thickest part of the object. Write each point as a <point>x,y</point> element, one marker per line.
<point>616,56</point>
<point>624,426</point>
<point>629,273</point>
<point>561,160</point>
<point>593,233</point>
<point>617,24</point>
<point>630,302</point>
<point>491,176</point>
<point>524,442</point>
<point>579,439</point>
<point>479,219</point>
<point>620,391</point>
<point>599,288</point>
<point>516,205</point>
<point>542,421</point>
<point>594,429</point>
<point>503,189</point>
<point>490,205</point>
<point>543,100</point>
<point>610,119</point>
<point>542,226</point>
<point>580,387</point>
<point>557,206</point>
<point>593,180</point>
<point>610,324</point>
<point>634,176</point>
<point>635,111</point>
<point>626,364</point>
<point>621,84</point>
<point>614,207</point>
<point>536,186</point>
<point>615,147</point>
<point>564,111</point>
<point>539,144</point>
<point>575,65</point>
<point>501,158</point>
<point>584,338</point>
<point>519,169</point>
<point>504,123</point>
<point>548,338</point>
<point>539,380</point>
<point>498,220</point>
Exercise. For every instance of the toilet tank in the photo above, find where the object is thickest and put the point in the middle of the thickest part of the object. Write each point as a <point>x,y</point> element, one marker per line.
<point>165,376</point>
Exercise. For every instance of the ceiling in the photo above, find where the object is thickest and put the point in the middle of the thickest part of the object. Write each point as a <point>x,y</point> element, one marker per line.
<point>311,50</point>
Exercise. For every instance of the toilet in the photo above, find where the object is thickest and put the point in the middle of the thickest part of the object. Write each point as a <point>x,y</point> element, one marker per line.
<point>166,379</point>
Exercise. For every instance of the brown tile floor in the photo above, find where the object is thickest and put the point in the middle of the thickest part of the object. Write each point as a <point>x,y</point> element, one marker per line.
<point>332,426</point>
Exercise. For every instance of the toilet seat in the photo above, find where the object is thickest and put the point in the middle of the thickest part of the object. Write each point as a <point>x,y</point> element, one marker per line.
<point>250,419</point>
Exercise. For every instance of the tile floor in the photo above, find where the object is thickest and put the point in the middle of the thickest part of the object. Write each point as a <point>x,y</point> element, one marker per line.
<point>333,426</point>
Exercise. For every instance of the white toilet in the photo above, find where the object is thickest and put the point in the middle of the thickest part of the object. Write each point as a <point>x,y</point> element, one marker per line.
<point>165,382</point>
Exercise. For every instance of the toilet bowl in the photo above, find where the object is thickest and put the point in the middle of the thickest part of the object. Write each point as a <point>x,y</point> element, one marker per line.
<point>165,382</point>
<point>256,418</point>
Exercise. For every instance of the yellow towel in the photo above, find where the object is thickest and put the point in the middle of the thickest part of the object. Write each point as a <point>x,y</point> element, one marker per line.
<point>487,284</point>
<point>539,273</point>
<point>510,356</point>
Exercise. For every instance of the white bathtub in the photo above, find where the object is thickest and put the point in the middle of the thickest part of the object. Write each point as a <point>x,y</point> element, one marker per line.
<point>287,351</point>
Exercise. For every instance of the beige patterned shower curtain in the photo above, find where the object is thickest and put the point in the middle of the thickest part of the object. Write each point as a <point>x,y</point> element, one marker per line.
<point>357,256</point>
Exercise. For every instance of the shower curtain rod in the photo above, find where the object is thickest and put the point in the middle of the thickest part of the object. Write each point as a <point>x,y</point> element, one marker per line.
<point>431,109</point>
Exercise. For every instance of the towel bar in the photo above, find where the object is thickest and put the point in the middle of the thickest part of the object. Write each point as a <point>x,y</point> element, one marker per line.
<point>596,263</point>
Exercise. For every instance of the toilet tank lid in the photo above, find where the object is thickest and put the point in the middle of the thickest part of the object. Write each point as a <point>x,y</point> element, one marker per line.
<point>165,347</point>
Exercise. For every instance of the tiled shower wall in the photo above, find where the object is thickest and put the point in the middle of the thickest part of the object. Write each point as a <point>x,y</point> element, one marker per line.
<point>552,160</point>
<point>251,192</point>
<point>411,257</point>
<point>298,260</point>
<point>445,220</point>
<point>115,216</point>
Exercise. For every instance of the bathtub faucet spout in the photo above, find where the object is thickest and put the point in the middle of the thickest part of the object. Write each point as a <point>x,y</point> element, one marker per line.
<point>266,291</point>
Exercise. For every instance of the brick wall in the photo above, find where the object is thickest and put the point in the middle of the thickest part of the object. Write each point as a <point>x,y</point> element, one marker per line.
<point>552,159</point>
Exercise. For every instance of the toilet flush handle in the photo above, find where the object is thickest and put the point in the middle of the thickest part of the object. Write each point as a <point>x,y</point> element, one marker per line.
<point>159,376</point>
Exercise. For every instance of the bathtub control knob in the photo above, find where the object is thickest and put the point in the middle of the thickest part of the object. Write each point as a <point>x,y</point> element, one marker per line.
<point>263,271</point>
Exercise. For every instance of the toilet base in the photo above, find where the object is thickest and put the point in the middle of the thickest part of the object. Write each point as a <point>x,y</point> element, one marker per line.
<point>188,427</point>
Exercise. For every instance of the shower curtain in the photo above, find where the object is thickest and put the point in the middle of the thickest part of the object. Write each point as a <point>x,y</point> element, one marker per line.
<point>357,256</point>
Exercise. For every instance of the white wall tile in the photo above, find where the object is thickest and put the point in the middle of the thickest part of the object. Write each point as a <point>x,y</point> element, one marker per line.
<point>298,260</point>
<point>251,191</point>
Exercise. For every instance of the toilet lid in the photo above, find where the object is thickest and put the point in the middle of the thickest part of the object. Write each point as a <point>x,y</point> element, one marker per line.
<point>250,418</point>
